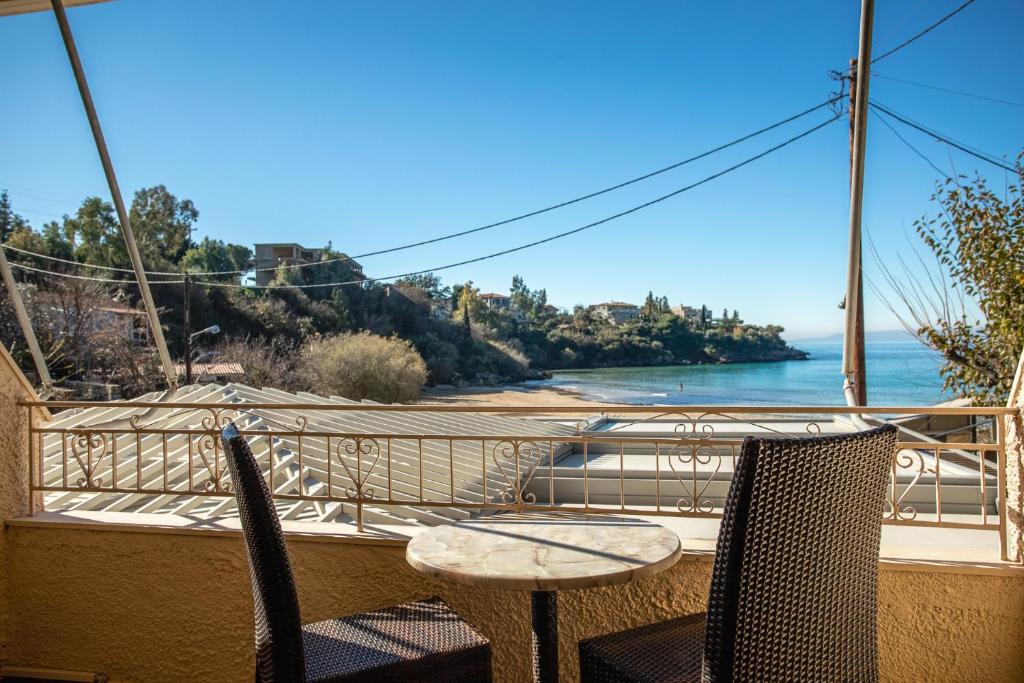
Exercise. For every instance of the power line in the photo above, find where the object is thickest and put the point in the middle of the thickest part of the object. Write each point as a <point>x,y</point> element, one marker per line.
<point>39,193</point>
<point>906,142</point>
<point>963,147</point>
<point>530,214</point>
<point>79,264</point>
<point>22,266</point>
<point>606,190</point>
<point>552,237</point>
<point>948,90</point>
<point>537,212</point>
<point>927,30</point>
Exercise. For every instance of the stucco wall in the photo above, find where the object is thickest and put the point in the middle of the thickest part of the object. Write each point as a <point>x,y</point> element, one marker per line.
<point>13,472</point>
<point>172,607</point>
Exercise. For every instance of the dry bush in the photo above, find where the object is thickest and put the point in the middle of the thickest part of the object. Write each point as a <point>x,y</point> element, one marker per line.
<point>266,363</point>
<point>363,366</point>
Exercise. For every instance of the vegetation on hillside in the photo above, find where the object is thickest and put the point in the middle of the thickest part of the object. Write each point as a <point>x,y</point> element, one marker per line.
<point>455,336</point>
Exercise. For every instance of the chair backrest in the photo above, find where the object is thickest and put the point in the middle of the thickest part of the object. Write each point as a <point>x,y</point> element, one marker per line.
<point>795,579</point>
<point>279,655</point>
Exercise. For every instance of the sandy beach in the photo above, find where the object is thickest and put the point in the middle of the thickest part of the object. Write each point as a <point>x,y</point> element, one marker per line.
<point>507,395</point>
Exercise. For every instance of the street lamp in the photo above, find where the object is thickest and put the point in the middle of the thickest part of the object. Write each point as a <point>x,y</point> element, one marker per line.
<point>212,329</point>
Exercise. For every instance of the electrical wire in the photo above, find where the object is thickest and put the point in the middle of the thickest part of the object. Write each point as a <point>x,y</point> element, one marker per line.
<point>947,90</point>
<point>80,264</point>
<point>606,190</point>
<point>906,142</point>
<point>927,30</point>
<point>22,266</point>
<point>530,214</point>
<point>537,212</point>
<point>963,147</point>
<point>546,239</point>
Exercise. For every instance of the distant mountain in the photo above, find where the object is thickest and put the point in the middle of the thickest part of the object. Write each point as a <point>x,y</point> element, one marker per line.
<point>876,336</point>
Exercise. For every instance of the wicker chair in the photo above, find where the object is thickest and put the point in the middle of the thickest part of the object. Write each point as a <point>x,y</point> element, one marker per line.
<point>794,584</point>
<point>416,641</point>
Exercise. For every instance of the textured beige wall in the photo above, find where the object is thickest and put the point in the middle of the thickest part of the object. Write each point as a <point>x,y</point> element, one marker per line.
<point>159,606</point>
<point>13,472</point>
<point>171,607</point>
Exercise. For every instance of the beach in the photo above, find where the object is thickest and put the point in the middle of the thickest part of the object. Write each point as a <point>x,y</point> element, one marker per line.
<point>508,395</point>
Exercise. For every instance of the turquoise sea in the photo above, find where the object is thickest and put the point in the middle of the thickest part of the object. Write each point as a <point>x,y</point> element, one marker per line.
<point>899,373</point>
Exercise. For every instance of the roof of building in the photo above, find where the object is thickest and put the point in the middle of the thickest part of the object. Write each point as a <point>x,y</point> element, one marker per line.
<point>614,304</point>
<point>200,369</point>
<point>285,244</point>
<point>493,295</point>
<point>105,305</point>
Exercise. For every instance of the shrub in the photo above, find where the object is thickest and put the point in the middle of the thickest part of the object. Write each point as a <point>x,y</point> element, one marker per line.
<point>442,357</point>
<point>266,363</point>
<point>363,366</point>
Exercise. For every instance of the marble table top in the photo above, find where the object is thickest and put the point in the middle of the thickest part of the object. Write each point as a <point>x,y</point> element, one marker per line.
<point>544,551</point>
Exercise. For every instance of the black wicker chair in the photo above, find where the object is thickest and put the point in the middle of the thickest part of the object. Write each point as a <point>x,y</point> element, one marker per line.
<point>795,579</point>
<point>416,641</point>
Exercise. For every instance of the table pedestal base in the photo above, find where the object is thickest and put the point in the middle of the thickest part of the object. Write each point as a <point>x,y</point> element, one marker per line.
<point>544,617</point>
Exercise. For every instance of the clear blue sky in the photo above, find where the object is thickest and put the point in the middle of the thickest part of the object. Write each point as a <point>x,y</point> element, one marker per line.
<point>372,124</point>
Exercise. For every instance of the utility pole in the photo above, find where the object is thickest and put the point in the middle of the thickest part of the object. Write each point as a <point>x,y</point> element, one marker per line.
<point>26,324</point>
<point>115,190</point>
<point>188,328</point>
<point>859,366</point>
<point>853,339</point>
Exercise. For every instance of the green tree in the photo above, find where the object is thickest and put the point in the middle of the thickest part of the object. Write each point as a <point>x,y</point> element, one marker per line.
<point>9,221</point>
<point>213,255</point>
<point>94,235</point>
<point>970,305</point>
<point>427,282</point>
<point>520,297</point>
<point>162,225</point>
<point>653,307</point>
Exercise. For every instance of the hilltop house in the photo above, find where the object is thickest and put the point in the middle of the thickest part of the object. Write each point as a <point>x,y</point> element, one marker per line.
<point>616,312</point>
<point>496,301</point>
<point>273,254</point>
<point>690,314</point>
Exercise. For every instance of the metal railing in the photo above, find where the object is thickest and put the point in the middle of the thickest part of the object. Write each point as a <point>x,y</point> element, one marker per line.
<point>426,464</point>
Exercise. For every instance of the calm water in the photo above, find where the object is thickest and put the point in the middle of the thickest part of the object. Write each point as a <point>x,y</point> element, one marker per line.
<point>899,373</point>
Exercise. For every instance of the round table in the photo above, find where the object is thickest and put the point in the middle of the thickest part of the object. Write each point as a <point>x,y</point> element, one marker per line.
<point>544,553</point>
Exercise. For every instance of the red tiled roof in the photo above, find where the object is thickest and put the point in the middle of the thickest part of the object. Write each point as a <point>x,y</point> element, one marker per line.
<point>212,369</point>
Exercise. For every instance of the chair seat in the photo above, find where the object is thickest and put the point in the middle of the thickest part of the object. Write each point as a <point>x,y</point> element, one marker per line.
<point>416,641</point>
<point>668,651</point>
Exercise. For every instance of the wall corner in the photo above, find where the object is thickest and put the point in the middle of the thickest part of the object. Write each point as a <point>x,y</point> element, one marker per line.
<point>1013,433</point>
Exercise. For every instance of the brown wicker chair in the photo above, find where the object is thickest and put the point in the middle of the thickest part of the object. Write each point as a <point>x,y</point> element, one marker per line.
<point>794,584</point>
<point>416,641</point>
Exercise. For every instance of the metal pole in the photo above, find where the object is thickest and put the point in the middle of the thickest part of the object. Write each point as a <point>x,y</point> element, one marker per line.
<point>188,329</point>
<point>26,324</point>
<point>115,190</point>
<point>853,270</point>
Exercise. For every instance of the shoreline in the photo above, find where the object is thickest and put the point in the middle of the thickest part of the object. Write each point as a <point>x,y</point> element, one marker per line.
<point>508,395</point>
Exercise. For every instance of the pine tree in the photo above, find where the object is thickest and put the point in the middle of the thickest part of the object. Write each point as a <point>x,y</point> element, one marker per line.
<point>9,221</point>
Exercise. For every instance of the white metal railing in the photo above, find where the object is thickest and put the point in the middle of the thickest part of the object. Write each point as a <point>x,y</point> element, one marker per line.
<point>429,464</point>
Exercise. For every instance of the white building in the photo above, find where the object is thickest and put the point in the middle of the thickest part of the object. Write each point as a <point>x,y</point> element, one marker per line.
<point>616,312</point>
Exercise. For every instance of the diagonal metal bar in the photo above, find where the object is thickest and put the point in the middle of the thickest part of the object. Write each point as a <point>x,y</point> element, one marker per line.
<point>115,190</point>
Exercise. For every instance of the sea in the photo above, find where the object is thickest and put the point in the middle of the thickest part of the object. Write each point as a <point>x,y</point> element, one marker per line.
<point>899,373</point>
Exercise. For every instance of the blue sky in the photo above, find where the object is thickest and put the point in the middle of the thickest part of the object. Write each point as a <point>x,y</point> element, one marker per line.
<point>376,124</point>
